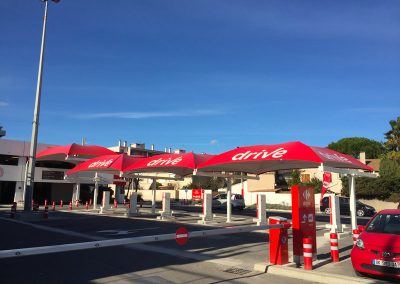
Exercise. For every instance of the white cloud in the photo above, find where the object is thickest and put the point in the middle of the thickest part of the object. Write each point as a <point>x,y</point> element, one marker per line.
<point>143,115</point>
<point>4,104</point>
<point>214,142</point>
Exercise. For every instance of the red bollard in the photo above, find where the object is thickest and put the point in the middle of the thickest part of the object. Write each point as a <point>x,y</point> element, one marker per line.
<point>90,202</point>
<point>334,247</point>
<point>33,203</point>
<point>77,203</point>
<point>307,253</point>
<point>46,212</point>
<point>13,210</point>
<point>54,206</point>
<point>70,205</point>
<point>45,202</point>
<point>87,205</point>
<point>129,206</point>
<point>61,204</point>
<point>115,203</point>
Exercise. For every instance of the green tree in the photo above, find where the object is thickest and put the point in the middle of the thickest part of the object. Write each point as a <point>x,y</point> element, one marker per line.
<point>354,145</point>
<point>393,136</point>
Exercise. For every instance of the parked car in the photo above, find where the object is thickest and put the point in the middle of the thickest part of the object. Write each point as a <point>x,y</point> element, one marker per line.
<point>220,201</point>
<point>377,249</point>
<point>344,202</point>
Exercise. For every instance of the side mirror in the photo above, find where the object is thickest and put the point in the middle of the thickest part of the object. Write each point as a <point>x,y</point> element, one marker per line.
<point>361,228</point>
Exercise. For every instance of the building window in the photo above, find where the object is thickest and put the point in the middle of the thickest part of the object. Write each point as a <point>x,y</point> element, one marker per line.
<point>8,160</point>
<point>305,178</point>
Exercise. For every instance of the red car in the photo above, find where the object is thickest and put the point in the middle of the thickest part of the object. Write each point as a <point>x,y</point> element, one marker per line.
<point>377,250</point>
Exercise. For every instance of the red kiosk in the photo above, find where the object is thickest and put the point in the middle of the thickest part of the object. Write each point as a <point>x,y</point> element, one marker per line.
<point>303,220</point>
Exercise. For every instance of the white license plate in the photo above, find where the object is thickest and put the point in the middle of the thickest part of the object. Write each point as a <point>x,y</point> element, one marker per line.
<point>380,262</point>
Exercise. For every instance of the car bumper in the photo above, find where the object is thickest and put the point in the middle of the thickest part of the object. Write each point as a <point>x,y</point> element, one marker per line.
<point>362,261</point>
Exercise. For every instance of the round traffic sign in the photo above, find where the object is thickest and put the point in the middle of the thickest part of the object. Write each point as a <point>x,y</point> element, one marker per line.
<point>182,236</point>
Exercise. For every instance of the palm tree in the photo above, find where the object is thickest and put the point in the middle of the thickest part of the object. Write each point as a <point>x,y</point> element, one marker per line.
<point>393,136</point>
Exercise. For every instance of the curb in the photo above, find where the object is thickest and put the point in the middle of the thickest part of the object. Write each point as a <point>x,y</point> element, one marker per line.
<point>310,275</point>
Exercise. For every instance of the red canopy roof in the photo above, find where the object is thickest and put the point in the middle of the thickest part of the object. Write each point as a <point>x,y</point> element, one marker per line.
<point>61,153</point>
<point>265,158</point>
<point>107,163</point>
<point>179,164</point>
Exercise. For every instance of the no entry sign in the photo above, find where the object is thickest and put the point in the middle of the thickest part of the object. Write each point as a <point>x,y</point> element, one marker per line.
<point>182,236</point>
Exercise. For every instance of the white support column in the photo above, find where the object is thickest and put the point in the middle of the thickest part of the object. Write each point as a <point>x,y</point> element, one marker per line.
<point>76,192</point>
<point>229,201</point>
<point>207,215</point>
<point>133,202</point>
<point>352,184</point>
<point>96,190</point>
<point>105,203</point>
<point>166,208</point>
<point>153,199</point>
<point>336,226</point>
<point>261,218</point>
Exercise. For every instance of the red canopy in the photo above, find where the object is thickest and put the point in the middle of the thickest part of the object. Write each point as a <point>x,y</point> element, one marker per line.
<point>62,153</point>
<point>113,164</point>
<point>179,164</point>
<point>265,158</point>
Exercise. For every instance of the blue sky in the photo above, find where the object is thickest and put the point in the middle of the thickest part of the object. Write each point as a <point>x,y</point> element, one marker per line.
<point>205,76</point>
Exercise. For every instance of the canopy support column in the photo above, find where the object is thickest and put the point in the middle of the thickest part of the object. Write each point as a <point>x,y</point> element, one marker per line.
<point>352,184</point>
<point>229,201</point>
<point>96,190</point>
<point>153,199</point>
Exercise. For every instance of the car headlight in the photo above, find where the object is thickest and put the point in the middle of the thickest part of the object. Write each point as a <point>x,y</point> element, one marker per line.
<point>360,243</point>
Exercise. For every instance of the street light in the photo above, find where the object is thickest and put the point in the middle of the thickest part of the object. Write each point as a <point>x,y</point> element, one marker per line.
<point>30,174</point>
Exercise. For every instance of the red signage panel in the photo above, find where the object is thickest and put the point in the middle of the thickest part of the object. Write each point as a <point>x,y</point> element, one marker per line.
<point>196,194</point>
<point>303,218</point>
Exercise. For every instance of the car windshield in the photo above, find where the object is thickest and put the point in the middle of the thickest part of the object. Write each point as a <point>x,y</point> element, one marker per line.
<point>385,224</point>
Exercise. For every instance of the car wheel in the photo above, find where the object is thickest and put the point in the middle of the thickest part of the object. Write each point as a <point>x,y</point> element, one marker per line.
<point>360,213</point>
<point>327,211</point>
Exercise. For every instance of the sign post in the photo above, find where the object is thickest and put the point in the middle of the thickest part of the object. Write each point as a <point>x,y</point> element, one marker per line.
<point>303,220</point>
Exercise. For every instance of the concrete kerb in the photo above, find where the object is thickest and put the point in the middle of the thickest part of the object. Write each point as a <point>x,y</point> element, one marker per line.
<point>310,275</point>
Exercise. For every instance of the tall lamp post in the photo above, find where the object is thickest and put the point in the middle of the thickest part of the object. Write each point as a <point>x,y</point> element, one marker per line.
<point>30,175</point>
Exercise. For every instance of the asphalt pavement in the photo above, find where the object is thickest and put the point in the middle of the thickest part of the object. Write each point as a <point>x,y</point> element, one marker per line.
<point>235,258</point>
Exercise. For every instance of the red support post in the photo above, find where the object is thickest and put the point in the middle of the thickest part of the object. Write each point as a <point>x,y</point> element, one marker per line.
<point>307,253</point>
<point>334,247</point>
<point>115,203</point>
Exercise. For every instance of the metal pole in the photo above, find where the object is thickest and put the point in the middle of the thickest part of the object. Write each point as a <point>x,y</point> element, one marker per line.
<point>352,181</point>
<point>30,179</point>
<point>229,201</point>
<point>96,190</point>
<point>153,198</point>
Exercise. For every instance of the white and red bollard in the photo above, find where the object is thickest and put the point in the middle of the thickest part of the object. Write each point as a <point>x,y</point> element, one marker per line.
<point>307,253</point>
<point>334,247</point>
<point>61,204</point>
<point>87,205</point>
<point>53,206</point>
<point>77,203</point>
<point>90,202</point>
<point>13,210</point>
<point>70,205</point>
<point>115,203</point>
<point>46,212</point>
<point>45,202</point>
<point>356,233</point>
